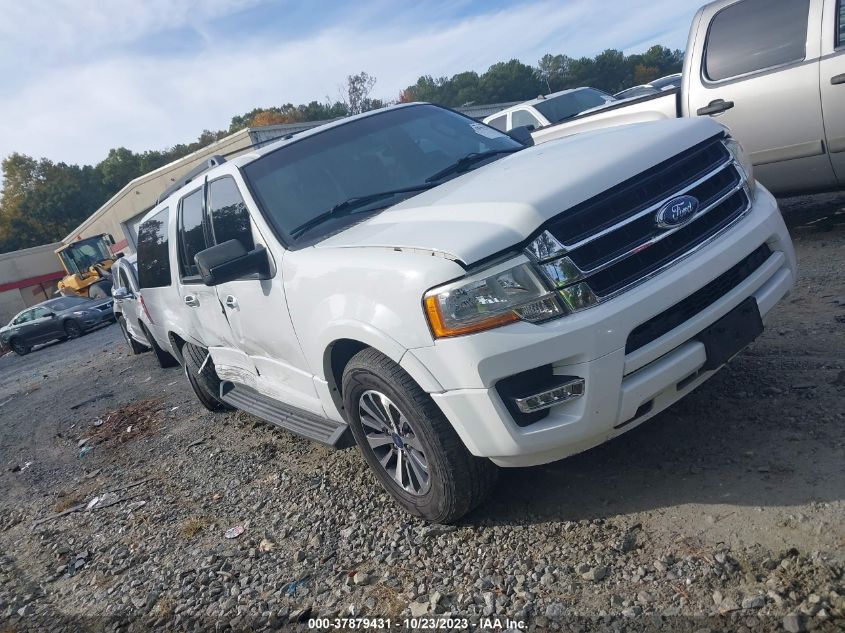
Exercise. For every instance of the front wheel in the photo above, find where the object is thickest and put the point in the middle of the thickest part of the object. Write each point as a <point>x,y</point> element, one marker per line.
<point>204,380</point>
<point>19,348</point>
<point>409,444</point>
<point>72,329</point>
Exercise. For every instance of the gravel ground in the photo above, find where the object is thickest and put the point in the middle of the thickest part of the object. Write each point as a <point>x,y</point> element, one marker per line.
<point>725,512</point>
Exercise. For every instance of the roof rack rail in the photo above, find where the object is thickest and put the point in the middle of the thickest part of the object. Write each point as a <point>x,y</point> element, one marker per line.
<point>203,167</point>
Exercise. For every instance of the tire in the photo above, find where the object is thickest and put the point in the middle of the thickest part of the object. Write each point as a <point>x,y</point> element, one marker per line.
<point>19,348</point>
<point>134,346</point>
<point>100,290</point>
<point>72,329</point>
<point>457,481</point>
<point>205,383</point>
<point>165,359</point>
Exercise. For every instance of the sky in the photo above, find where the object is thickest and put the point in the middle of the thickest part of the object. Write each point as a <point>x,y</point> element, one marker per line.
<point>78,77</point>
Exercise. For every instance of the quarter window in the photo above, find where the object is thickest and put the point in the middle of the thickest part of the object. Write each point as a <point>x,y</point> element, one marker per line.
<point>191,233</point>
<point>153,253</point>
<point>228,213</point>
<point>753,35</point>
<point>523,117</point>
<point>500,123</point>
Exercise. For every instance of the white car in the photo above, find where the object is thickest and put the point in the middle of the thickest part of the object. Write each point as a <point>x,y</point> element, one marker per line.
<point>452,300</point>
<point>130,312</point>
<point>550,109</point>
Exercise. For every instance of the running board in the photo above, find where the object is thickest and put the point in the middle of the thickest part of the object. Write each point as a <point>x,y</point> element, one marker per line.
<point>303,423</point>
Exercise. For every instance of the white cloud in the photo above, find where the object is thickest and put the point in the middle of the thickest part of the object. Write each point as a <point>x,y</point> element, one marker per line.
<point>76,111</point>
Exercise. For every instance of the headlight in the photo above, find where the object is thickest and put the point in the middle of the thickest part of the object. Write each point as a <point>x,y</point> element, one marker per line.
<point>81,313</point>
<point>744,161</point>
<point>497,296</point>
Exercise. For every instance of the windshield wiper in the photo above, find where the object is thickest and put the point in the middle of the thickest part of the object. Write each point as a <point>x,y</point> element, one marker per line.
<point>350,206</point>
<point>463,164</point>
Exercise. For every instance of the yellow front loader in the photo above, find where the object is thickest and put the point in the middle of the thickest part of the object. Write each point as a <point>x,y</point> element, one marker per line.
<point>88,265</point>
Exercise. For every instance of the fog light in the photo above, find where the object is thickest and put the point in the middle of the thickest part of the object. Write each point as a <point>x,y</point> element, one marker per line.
<point>550,397</point>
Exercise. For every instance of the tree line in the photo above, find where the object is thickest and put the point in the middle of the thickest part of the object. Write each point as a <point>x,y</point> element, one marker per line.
<point>42,201</point>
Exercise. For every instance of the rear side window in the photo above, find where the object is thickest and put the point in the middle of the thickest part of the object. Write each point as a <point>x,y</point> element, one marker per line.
<point>191,233</point>
<point>228,213</point>
<point>840,24</point>
<point>753,35</point>
<point>500,123</point>
<point>523,117</point>
<point>153,255</point>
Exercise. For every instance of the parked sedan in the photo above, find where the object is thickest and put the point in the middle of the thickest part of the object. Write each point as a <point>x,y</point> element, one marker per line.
<point>55,319</point>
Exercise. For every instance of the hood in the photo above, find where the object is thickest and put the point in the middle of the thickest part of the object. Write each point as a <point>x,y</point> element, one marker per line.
<point>494,207</point>
<point>94,304</point>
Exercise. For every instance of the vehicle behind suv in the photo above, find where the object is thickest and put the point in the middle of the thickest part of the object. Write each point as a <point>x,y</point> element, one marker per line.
<point>422,285</point>
<point>131,313</point>
<point>55,319</point>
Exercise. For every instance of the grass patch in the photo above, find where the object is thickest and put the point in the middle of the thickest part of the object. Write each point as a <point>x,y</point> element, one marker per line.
<point>194,525</point>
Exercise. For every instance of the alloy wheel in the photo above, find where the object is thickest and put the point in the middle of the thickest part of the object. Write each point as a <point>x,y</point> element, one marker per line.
<point>72,329</point>
<point>394,442</point>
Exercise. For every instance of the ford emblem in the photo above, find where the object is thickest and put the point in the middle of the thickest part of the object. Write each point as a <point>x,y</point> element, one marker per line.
<point>676,212</point>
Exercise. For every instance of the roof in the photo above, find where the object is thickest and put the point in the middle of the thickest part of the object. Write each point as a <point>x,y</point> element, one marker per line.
<point>539,99</point>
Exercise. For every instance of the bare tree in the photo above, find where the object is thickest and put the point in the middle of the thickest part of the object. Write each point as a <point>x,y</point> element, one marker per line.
<point>356,93</point>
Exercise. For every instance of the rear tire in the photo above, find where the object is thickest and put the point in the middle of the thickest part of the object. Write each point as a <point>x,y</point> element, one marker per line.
<point>444,480</point>
<point>72,329</point>
<point>100,290</point>
<point>19,348</point>
<point>205,383</point>
<point>164,359</point>
<point>134,346</point>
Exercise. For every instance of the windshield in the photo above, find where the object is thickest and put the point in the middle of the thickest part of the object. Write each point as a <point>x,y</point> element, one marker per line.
<point>65,303</point>
<point>389,151</point>
<point>80,256</point>
<point>565,106</point>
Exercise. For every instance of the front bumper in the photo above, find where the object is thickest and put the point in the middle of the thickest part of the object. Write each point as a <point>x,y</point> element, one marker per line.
<point>621,390</point>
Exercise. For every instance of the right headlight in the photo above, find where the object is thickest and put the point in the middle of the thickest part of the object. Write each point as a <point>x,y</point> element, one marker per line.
<point>743,160</point>
<point>492,298</point>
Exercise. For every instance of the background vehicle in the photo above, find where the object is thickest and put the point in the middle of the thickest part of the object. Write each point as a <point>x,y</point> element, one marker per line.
<point>88,264</point>
<point>130,312</point>
<point>663,83</point>
<point>549,110</point>
<point>773,72</point>
<point>457,301</point>
<point>55,319</point>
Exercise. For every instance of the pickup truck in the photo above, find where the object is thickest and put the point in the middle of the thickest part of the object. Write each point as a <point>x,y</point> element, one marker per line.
<point>424,286</point>
<point>773,73</point>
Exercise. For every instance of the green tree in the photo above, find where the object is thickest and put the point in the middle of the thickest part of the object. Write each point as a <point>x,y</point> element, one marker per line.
<point>510,81</point>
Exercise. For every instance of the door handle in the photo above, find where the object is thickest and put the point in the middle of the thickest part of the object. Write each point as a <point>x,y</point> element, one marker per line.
<point>191,300</point>
<point>231,302</point>
<point>837,79</point>
<point>715,107</point>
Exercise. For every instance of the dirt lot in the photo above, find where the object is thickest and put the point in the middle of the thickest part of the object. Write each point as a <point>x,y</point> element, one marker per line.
<point>726,512</point>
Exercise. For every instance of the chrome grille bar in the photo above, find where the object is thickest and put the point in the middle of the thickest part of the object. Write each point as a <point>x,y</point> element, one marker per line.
<point>575,284</point>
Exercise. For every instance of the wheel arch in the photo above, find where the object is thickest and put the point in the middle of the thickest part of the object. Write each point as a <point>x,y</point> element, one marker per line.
<point>340,349</point>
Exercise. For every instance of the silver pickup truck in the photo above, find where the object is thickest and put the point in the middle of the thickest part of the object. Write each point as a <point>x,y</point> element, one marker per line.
<point>773,72</point>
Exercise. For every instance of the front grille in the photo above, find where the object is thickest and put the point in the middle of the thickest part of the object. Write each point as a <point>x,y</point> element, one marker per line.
<point>612,241</point>
<point>684,310</point>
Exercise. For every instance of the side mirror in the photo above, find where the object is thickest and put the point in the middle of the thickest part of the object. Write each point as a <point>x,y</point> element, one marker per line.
<point>522,134</point>
<point>119,294</point>
<point>229,261</point>
<point>50,315</point>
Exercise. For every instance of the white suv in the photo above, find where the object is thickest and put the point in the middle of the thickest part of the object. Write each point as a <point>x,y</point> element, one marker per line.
<point>459,301</point>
